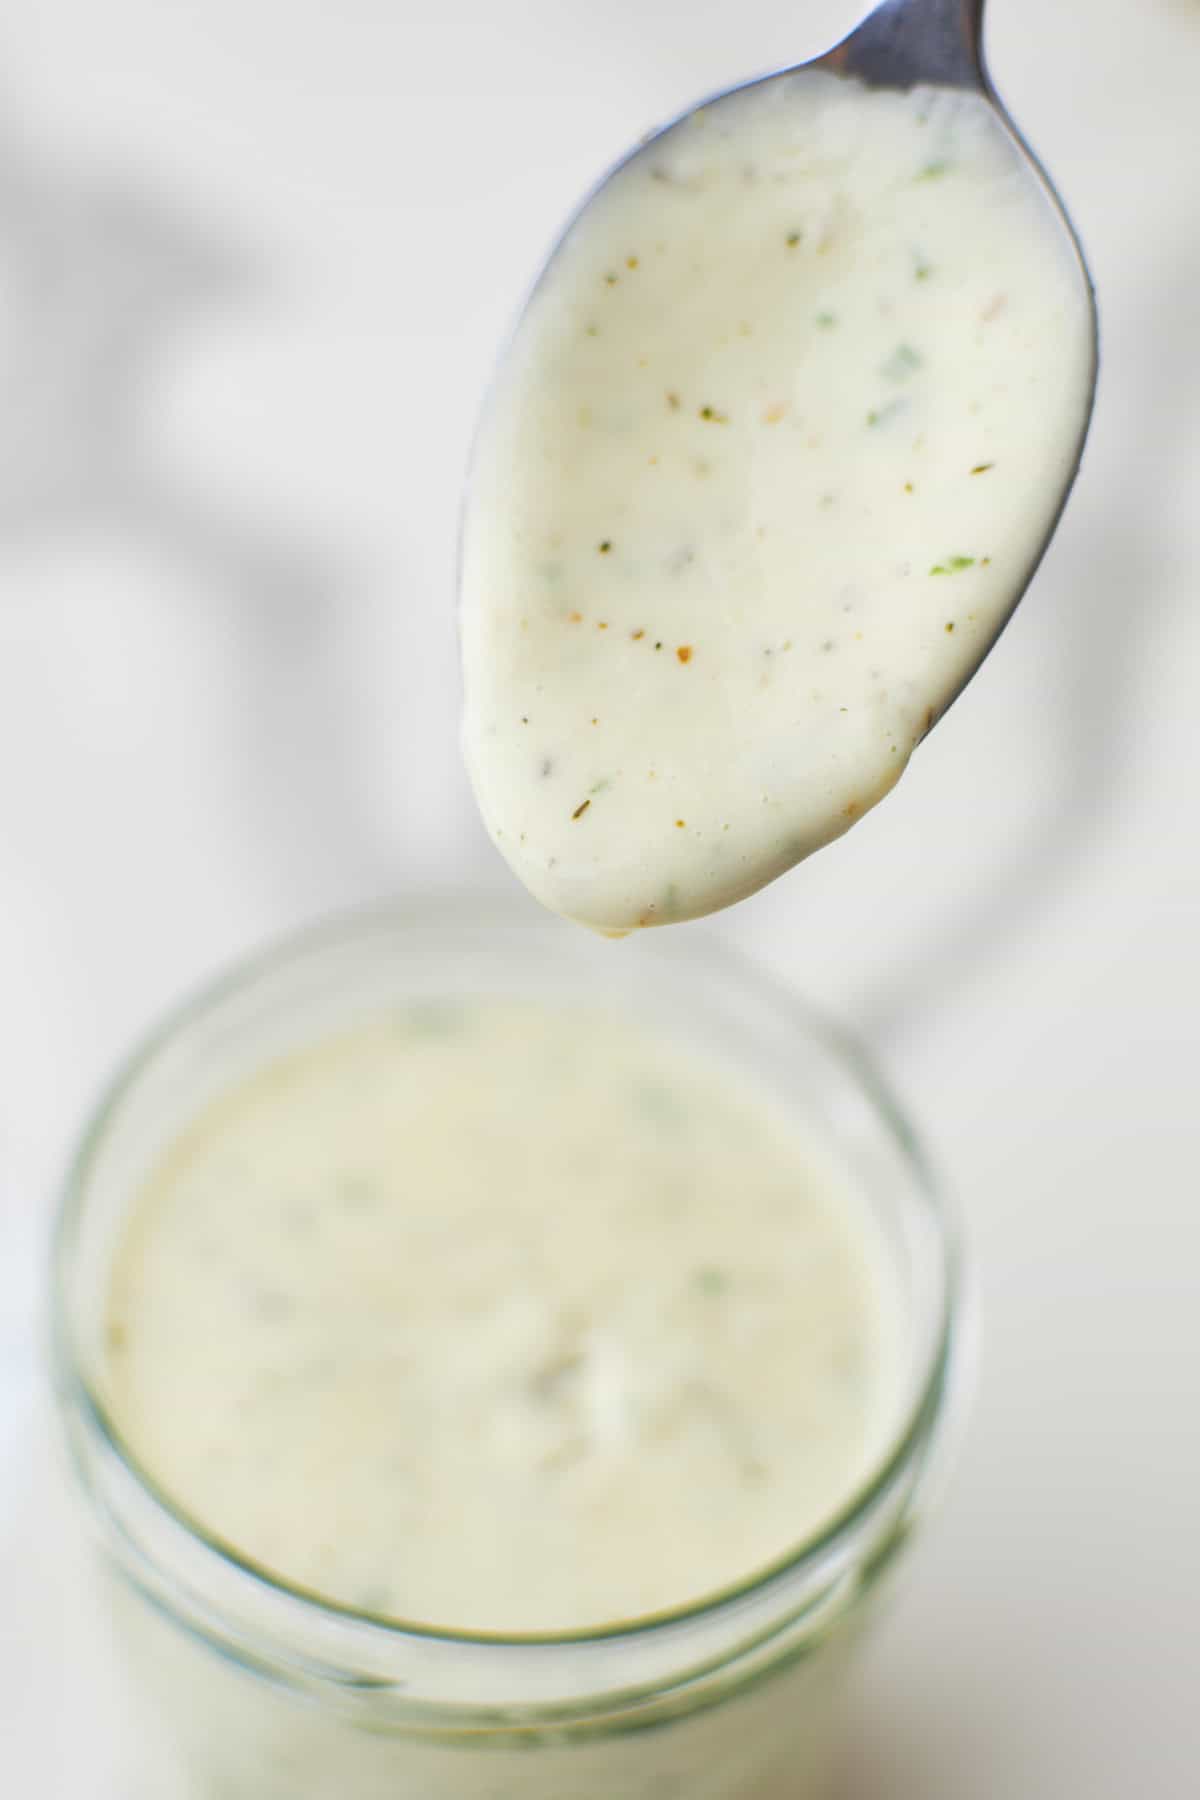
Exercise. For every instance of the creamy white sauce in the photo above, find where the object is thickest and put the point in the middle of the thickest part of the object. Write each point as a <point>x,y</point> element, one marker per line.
<point>773,453</point>
<point>506,1318</point>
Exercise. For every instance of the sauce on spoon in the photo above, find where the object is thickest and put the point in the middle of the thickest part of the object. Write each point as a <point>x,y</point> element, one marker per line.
<point>773,454</point>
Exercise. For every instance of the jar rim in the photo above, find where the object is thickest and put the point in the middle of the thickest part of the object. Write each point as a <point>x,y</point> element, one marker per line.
<point>83,1406</point>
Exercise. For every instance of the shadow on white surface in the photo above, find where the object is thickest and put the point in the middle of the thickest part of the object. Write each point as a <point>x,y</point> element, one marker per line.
<point>1107,601</point>
<point>100,273</point>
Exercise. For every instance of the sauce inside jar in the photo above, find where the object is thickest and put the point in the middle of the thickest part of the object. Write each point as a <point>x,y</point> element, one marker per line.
<point>504,1316</point>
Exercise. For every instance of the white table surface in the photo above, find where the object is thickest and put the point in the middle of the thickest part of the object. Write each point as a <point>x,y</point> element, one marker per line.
<point>255,258</point>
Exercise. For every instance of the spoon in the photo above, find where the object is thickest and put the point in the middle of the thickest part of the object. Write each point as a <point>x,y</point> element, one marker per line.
<point>587,835</point>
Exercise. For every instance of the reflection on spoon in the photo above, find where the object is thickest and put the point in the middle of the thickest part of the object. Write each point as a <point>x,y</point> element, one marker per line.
<point>776,448</point>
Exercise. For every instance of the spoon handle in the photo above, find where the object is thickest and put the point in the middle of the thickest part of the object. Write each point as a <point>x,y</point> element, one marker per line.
<point>904,42</point>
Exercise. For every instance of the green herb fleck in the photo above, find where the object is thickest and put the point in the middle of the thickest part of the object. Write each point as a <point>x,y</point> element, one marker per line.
<point>600,787</point>
<point>923,271</point>
<point>356,1193</point>
<point>710,1282</point>
<point>952,565</point>
<point>548,1382</point>
<point>825,320</point>
<point>713,416</point>
<point>880,415</point>
<point>982,468</point>
<point>604,546</point>
<point>901,364</point>
<point>933,171</point>
<point>793,238</point>
<point>658,1104</point>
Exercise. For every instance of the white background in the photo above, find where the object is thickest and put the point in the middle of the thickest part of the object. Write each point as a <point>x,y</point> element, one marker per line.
<point>255,259</point>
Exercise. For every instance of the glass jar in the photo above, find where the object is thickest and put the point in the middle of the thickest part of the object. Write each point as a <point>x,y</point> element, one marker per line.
<point>265,1692</point>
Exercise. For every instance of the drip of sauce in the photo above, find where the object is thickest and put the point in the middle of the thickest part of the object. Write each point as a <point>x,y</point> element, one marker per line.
<point>773,454</point>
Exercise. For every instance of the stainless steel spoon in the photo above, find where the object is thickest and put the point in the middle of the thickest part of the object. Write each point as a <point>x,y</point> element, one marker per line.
<point>901,45</point>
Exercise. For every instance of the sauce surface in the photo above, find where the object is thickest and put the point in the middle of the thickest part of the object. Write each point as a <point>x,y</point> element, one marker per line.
<point>771,457</point>
<point>504,1317</point>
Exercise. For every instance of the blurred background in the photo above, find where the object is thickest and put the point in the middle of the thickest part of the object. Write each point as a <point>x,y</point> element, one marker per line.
<point>255,263</point>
